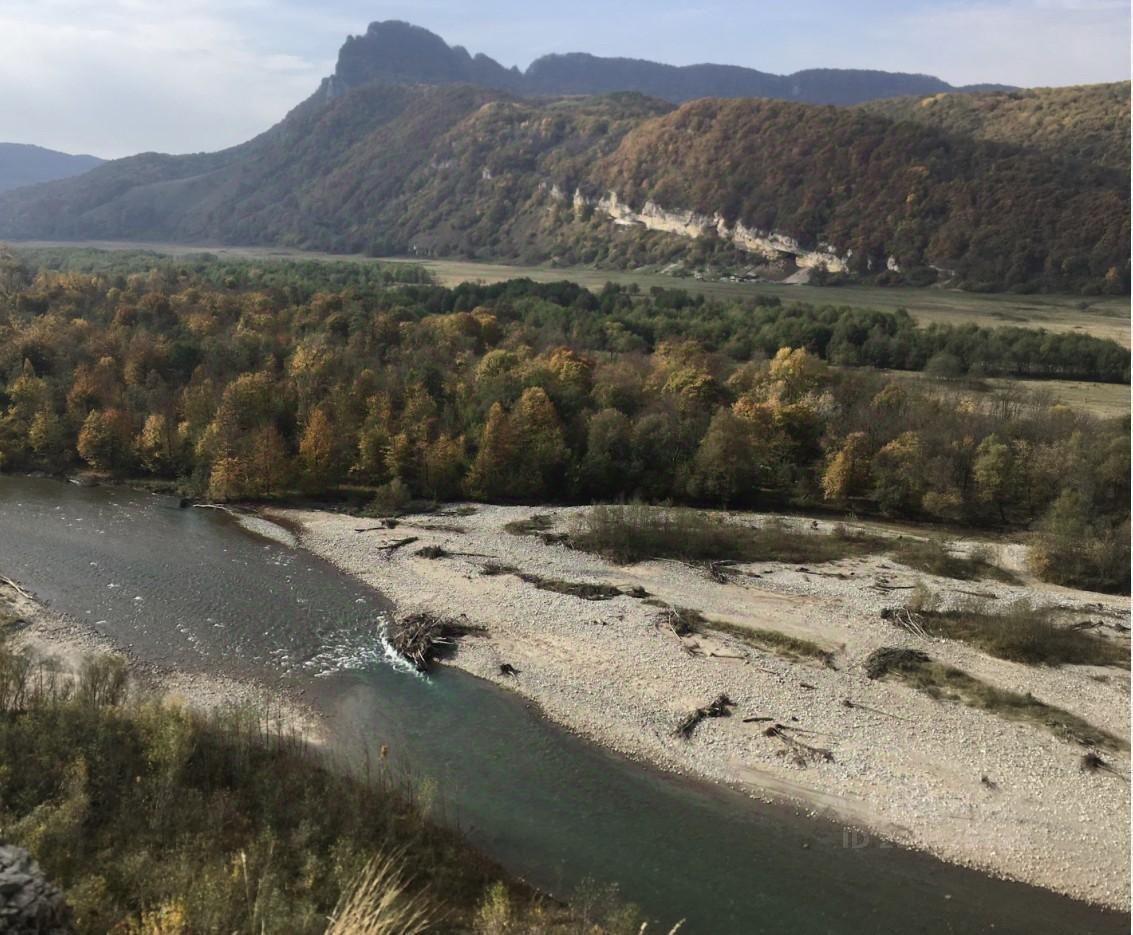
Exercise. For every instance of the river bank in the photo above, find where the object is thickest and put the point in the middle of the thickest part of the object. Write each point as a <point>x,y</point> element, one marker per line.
<point>28,624</point>
<point>967,785</point>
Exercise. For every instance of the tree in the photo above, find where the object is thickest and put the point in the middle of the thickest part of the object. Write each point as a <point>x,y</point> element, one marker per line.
<point>47,436</point>
<point>317,450</point>
<point>155,444</point>
<point>608,467</point>
<point>540,451</point>
<point>847,475</point>
<point>105,439</point>
<point>489,477</point>
<point>993,475</point>
<point>725,466</point>
<point>442,467</point>
<point>898,474</point>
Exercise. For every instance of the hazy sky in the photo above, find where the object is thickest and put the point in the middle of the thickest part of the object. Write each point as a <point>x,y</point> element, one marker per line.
<point>114,77</point>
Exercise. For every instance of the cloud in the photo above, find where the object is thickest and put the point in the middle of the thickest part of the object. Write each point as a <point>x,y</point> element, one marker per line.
<point>126,76</point>
<point>1030,43</point>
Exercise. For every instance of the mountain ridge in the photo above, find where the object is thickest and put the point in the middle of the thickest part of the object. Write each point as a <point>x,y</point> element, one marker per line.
<point>397,52</point>
<point>753,187</point>
<point>23,164</point>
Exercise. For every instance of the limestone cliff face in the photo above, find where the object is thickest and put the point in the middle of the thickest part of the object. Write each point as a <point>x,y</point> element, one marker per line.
<point>766,244</point>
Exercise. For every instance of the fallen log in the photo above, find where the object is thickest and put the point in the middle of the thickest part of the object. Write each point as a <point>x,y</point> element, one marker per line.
<point>720,707</point>
<point>399,544</point>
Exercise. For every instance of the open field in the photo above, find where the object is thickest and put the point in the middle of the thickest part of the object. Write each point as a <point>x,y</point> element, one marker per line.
<point>1105,400</point>
<point>623,653</point>
<point>1104,317</point>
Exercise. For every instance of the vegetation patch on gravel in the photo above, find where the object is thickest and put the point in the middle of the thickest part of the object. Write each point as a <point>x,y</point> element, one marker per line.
<point>932,557</point>
<point>582,589</point>
<point>1026,634</point>
<point>635,533</point>
<point>947,683</point>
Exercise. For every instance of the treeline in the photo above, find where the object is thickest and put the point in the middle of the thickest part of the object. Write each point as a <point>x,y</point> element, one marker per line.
<point>522,392</point>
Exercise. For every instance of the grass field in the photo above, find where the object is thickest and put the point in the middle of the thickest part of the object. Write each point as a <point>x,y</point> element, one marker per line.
<point>1107,400</point>
<point>1104,317</point>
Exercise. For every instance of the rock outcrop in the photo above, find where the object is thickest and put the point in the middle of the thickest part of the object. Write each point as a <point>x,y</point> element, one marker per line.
<point>29,903</point>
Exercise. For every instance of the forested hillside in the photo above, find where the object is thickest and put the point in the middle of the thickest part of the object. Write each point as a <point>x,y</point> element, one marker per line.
<point>242,381</point>
<point>1089,123</point>
<point>461,171</point>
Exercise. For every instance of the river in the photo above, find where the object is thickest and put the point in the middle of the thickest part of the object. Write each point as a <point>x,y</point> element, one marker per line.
<point>194,589</point>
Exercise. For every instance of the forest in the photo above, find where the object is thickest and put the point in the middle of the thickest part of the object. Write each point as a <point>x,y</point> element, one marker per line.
<point>235,380</point>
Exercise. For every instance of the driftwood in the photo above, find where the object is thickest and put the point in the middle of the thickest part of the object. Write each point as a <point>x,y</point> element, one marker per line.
<point>847,703</point>
<point>15,587</point>
<point>399,544</point>
<point>439,551</point>
<point>1092,763</point>
<point>420,638</point>
<point>386,524</point>
<point>508,669</point>
<point>718,571</point>
<point>801,754</point>
<point>906,619</point>
<point>720,707</point>
<point>757,720</point>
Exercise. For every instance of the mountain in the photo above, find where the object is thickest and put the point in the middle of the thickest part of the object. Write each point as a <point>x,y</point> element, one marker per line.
<point>1089,123</point>
<point>782,189</point>
<point>21,165</point>
<point>396,52</point>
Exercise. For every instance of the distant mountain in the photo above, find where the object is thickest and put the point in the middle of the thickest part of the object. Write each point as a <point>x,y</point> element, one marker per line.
<point>21,164</point>
<point>398,53</point>
<point>405,151</point>
<point>1089,123</point>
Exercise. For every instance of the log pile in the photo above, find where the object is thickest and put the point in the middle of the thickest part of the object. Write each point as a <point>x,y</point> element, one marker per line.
<point>421,638</point>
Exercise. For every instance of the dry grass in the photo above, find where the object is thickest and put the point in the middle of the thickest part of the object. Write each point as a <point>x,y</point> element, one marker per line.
<point>933,557</point>
<point>1023,633</point>
<point>790,647</point>
<point>635,533</point>
<point>379,903</point>
<point>947,683</point>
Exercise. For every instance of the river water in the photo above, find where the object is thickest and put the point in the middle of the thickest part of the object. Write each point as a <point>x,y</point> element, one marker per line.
<point>192,588</point>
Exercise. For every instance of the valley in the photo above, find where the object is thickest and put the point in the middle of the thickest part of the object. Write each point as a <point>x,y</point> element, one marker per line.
<point>586,496</point>
<point>1103,316</point>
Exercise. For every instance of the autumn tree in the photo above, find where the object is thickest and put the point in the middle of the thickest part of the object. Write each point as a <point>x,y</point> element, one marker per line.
<point>848,473</point>
<point>105,440</point>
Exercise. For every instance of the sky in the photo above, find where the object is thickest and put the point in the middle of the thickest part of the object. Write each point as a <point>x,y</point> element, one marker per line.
<point>116,77</point>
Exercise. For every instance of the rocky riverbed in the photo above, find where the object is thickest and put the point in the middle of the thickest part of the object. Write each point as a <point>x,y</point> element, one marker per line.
<point>969,785</point>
